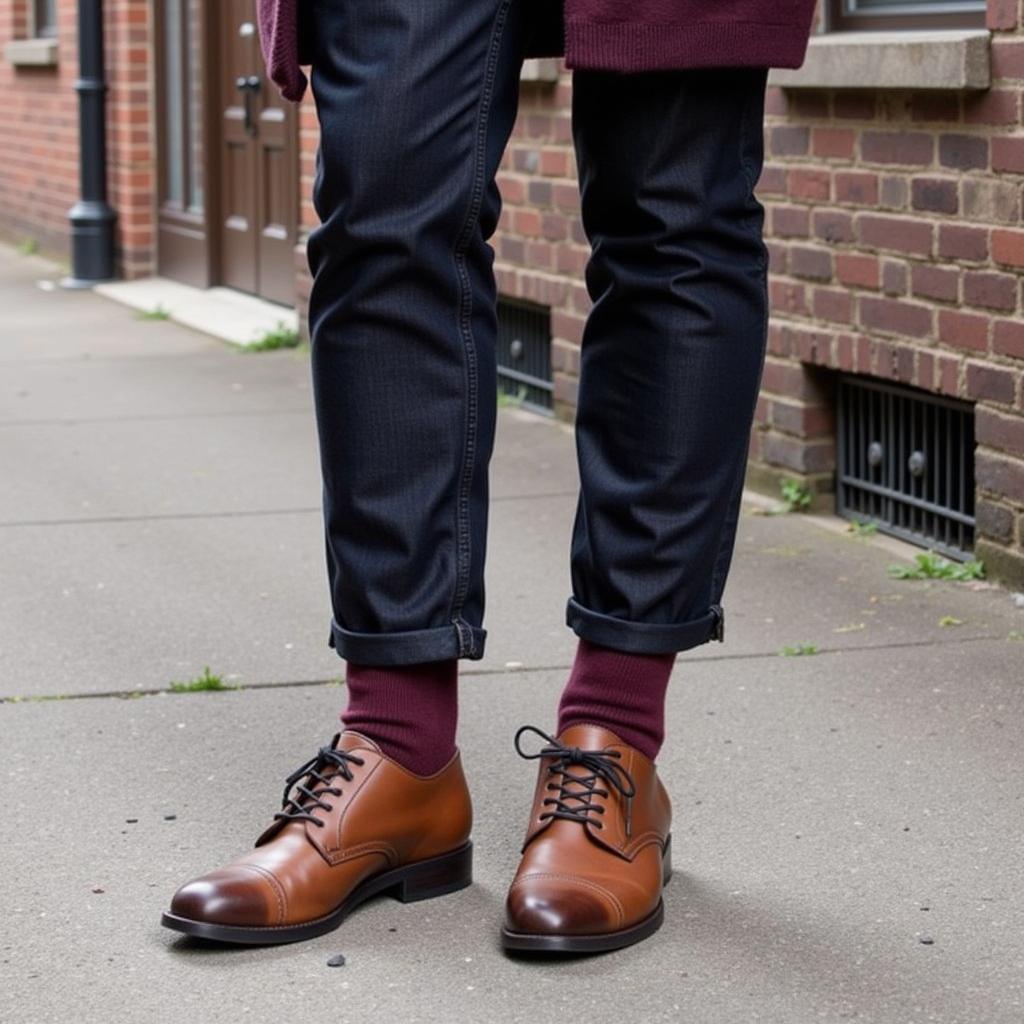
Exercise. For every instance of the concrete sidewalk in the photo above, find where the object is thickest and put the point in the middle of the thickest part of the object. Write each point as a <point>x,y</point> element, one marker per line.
<point>847,834</point>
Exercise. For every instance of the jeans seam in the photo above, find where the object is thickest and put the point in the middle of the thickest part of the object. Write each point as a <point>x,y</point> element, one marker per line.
<point>748,175</point>
<point>717,576</point>
<point>718,580</point>
<point>463,544</point>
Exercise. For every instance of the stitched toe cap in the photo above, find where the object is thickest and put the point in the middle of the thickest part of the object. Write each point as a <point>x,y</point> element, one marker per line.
<point>560,905</point>
<point>240,898</point>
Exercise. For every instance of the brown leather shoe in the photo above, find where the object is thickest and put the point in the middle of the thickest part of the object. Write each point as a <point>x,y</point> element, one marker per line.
<point>597,849</point>
<point>360,824</point>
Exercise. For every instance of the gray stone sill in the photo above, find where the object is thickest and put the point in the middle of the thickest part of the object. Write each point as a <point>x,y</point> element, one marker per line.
<point>539,69</point>
<point>34,53</point>
<point>928,59</point>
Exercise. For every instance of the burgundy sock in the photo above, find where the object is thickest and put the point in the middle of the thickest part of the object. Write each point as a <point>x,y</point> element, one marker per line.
<point>409,711</point>
<point>620,691</point>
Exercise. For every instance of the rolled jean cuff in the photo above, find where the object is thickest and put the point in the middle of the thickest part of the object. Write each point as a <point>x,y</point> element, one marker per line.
<point>409,647</point>
<point>644,637</point>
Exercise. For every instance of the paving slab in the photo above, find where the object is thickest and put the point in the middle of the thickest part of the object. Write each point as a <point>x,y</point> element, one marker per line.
<point>136,385</point>
<point>846,844</point>
<point>188,467</point>
<point>136,604</point>
<point>44,322</point>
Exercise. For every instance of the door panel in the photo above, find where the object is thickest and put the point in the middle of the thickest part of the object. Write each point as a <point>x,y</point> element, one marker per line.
<point>259,164</point>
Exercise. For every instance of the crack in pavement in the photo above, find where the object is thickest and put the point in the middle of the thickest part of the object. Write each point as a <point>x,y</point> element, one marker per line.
<point>218,348</point>
<point>296,683</point>
<point>240,513</point>
<point>73,421</point>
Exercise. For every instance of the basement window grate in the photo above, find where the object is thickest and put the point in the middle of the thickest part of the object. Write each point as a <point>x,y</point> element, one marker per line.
<point>906,463</point>
<point>524,354</point>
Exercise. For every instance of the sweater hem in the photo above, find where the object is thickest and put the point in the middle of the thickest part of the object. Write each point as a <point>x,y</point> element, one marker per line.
<point>616,46</point>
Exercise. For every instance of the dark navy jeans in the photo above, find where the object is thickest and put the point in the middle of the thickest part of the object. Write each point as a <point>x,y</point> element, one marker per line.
<point>416,101</point>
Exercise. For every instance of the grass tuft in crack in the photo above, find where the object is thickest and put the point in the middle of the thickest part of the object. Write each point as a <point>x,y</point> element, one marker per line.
<point>863,528</point>
<point>207,681</point>
<point>796,497</point>
<point>282,336</point>
<point>158,312</point>
<point>930,566</point>
<point>506,398</point>
<point>798,650</point>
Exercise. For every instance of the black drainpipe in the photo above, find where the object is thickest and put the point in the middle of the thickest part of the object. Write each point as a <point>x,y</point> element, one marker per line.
<point>92,218</point>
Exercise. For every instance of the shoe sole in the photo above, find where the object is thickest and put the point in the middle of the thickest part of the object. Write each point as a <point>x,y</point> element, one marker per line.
<point>537,942</point>
<point>422,880</point>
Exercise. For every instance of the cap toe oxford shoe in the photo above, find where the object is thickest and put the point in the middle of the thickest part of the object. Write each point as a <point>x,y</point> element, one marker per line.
<point>597,848</point>
<point>353,823</point>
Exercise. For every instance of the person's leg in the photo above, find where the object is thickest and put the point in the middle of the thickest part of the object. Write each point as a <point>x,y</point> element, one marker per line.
<point>672,350</point>
<point>670,367</point>
<point>415,103</point>
<point>671,362</point>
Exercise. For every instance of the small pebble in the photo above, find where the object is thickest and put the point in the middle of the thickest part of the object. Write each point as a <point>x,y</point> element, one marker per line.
<point>392,929</point>
<point>338,960</point>
<point>925,940</point>
<point>131,821</point>
<point>170,817</point>
<point>97,889</point>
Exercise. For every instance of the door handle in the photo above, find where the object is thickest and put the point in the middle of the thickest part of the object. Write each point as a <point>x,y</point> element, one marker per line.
<point>249,86</point>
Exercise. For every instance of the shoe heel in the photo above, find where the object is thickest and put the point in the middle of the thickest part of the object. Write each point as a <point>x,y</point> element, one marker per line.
<point>437,876</point>
<point>666,861</point>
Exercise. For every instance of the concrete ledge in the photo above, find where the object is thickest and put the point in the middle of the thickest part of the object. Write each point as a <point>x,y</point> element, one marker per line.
<point>35,53</point>
<point>221,312</point>
<point>933,59</point>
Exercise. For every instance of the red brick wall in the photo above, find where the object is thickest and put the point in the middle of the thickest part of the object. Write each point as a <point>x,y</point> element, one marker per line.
<point>131,145</point>
<point>540,248</point>
<point>897,250</point>
<point>39,133</point>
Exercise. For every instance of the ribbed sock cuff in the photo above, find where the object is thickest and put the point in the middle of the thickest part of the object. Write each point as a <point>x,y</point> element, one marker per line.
<point>621,691</point>
<point>409,711</point>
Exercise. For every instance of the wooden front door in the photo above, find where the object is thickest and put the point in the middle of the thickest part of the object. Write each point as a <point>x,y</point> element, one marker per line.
<point>257,157</point>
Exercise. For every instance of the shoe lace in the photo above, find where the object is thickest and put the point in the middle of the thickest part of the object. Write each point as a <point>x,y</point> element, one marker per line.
<point>299,807</point>
<point>580,789</point>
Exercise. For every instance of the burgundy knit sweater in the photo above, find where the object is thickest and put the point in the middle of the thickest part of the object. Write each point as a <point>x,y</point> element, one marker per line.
<point>615,35</point>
